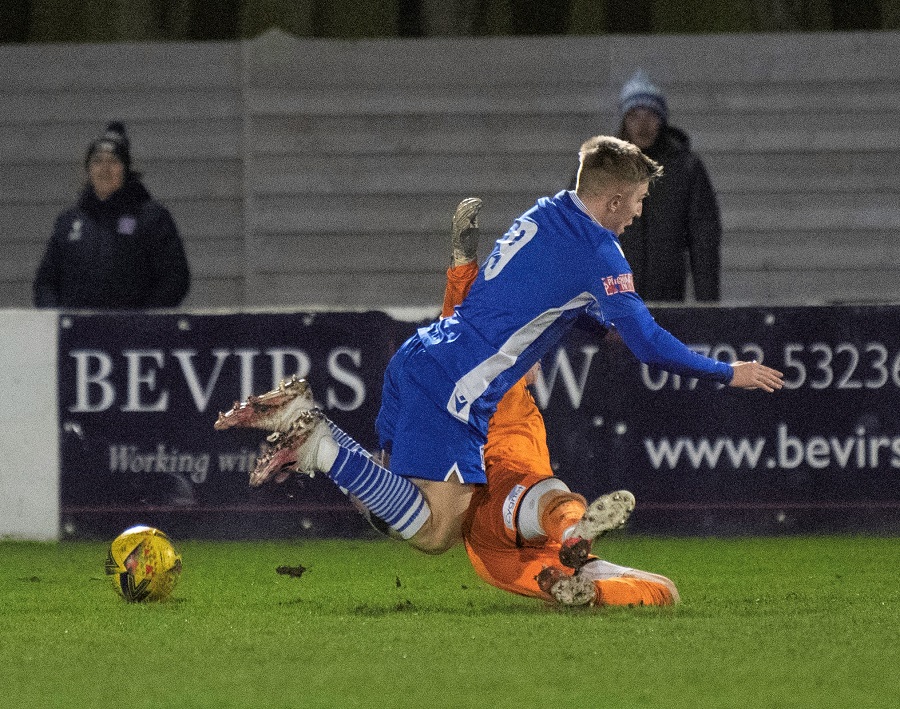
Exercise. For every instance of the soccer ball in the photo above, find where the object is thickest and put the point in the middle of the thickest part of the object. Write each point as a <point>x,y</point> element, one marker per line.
<point>143,564</point>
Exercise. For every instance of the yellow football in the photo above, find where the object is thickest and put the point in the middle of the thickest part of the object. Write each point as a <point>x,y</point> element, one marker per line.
<point>144,564</point>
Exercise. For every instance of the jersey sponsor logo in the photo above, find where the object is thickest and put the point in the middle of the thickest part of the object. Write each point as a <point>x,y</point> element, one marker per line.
<point>623,283</point>
<point>509,506</point>
<point>520,233</point>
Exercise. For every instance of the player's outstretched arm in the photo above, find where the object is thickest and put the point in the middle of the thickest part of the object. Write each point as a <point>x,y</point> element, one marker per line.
<point>753,375</point>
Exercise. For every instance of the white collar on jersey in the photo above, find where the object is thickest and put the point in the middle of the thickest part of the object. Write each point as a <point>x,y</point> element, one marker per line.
<point>578,203</point>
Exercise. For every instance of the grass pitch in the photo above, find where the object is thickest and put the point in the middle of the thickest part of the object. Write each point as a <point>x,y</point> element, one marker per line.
<point>775,622</point>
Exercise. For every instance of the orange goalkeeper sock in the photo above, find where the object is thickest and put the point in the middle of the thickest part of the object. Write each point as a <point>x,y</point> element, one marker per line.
<point>562,513</point>
<point>627,591</point>
<point>459,281</point>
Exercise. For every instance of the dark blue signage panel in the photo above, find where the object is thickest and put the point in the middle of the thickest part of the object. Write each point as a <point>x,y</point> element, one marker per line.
<point>823,453</point>
<point>139,394</point>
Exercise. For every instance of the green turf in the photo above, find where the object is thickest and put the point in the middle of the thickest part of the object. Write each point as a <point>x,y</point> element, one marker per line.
<point>777,622</point>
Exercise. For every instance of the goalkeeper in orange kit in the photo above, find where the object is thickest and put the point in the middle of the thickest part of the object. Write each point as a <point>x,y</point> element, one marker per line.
<point>525,531</point>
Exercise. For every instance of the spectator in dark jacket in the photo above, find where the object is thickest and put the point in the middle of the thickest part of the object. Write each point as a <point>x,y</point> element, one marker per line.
<point>680,225</point>
<point>116,248</point>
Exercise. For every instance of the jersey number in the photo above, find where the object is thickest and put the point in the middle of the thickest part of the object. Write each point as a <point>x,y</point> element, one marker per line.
<point>520,233</point>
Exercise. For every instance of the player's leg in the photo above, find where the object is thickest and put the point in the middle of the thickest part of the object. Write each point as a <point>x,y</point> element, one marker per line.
<point>564,517</point>
<point>304,440</point>
<point>442,531</point>
<point>426,443</point>
<point>497,550</point>
<point>596,581</point>
<point>503,551</point>
<point>439,453</point>
<point>426,513</point>
<point>534,571</point>
<point>311,445</point>
<point>514,537</point>
<point>511,569</point>
<point>463,254</point>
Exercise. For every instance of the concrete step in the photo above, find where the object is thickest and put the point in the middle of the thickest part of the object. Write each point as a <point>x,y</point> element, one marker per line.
<point>30,184</point>
<point>811,287</point>
<point>791,250</point>
<point>66,143</point>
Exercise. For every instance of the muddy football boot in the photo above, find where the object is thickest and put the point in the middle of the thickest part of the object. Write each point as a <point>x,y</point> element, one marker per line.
<point>275,410</point>
<point>292,451</point>
<point>465,232</point>
<point>566,589</point>
<point>606,513</point>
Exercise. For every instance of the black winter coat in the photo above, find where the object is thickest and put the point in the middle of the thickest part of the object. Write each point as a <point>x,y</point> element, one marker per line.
<point>680,225</point>
<point>120,253</point>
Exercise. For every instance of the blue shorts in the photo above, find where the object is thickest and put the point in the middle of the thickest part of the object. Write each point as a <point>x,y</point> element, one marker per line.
<point>424,440</point>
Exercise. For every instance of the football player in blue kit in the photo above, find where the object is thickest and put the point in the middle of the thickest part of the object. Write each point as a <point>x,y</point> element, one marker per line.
<point>559,260</point>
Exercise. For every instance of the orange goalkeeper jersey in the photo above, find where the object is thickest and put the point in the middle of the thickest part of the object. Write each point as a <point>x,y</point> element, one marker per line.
<point>517,438</point>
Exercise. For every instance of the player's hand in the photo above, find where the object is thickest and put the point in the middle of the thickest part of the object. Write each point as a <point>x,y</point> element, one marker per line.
<point>753,375</point>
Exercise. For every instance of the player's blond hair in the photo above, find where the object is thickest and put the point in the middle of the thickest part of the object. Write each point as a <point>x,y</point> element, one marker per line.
<point>605,160</point>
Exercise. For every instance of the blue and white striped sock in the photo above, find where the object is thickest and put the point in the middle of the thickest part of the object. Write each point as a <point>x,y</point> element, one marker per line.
<point>387,495</point>
<point>344,440</point>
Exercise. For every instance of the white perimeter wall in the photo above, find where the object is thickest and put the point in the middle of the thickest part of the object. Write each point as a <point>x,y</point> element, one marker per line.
<point>29,435</point>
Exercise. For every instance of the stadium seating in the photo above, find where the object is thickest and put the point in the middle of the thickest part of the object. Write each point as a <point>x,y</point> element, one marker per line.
<point>314,172</point>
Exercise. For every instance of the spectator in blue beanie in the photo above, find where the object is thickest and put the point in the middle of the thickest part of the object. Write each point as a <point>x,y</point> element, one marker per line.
<point>680,227</point>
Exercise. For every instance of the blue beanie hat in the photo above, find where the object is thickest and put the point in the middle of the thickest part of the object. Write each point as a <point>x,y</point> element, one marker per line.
<point>640,92</point>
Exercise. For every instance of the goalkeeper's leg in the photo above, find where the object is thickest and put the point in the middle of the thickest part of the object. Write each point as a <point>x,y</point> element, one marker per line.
<point>515,533</point>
